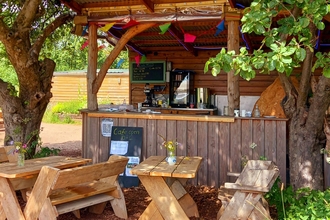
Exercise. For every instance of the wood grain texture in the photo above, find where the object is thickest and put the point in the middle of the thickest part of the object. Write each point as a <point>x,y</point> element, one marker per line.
<point>221,144</point>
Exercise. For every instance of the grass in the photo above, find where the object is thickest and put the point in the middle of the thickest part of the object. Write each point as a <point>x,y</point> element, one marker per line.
<point>61,112</point>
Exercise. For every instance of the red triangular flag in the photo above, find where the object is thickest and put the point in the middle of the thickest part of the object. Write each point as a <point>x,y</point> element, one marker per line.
<point>84,45</point>
<point>189,38</point>
<point>137,60</point>
<point>130,24</point>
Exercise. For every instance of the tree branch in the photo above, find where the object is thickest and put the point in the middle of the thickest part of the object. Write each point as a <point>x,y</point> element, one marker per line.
<point>305,81</point>
<point>27,15</point>
<point>60,20</point>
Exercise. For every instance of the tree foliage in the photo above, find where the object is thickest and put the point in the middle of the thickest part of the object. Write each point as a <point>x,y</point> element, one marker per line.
<point>290,30</point>
<point>275,53</point>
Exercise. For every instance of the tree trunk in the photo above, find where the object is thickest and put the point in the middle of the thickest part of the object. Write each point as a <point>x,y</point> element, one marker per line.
<point>307,139</point>
<point>23,114</point>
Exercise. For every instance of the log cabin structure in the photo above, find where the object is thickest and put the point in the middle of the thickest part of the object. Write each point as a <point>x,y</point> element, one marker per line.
<point>193,34</point>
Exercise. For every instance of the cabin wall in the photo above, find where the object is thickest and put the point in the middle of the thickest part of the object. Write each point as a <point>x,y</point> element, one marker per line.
<point>73,86</point>
<point>217,85</point>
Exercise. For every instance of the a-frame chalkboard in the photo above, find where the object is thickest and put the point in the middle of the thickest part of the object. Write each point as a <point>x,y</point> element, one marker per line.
<point>127,141</point>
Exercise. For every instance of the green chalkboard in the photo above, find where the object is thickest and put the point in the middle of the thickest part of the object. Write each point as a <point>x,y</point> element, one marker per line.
<point>148,72</point>
<point>127,141</point>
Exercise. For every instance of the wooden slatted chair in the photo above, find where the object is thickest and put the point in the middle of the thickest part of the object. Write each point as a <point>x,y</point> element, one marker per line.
<point>244,198</point>
<point>60,191</point>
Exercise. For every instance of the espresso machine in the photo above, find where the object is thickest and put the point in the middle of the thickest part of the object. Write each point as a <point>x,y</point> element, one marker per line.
<point>149,96</point>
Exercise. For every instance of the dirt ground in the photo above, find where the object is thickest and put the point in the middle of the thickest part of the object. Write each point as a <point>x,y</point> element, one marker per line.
<point>68,139</point>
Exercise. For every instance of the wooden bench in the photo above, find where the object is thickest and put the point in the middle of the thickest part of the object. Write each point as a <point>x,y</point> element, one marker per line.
<point>60,191</point>
<point>244,198</point>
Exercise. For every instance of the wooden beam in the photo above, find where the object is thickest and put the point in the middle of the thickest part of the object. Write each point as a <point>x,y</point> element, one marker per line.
<point>179,37</point>
<point>73,5</point>
<point>133,31</point>
<point>92,67</point>
<point>233,80</point>
<point>327,17</point>
<point>118,35</point>
<point>232,3</point>
<point>149,5</point>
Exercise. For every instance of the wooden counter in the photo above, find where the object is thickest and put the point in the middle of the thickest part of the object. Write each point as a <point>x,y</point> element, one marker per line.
<point>185,111</point>
<point>223,142</point>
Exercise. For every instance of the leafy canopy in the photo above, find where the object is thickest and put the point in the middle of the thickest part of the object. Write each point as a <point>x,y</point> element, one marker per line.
<point>274,53</point>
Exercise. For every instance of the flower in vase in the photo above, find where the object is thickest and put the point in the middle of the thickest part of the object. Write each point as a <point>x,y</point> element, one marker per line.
<point>20,148</point>
<point>170,145</point>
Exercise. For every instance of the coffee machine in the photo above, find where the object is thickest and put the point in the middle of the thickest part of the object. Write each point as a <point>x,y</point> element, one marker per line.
<point>149,96</point>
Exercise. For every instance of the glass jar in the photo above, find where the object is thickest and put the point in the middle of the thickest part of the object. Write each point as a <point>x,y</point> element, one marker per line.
<point>20,159</point>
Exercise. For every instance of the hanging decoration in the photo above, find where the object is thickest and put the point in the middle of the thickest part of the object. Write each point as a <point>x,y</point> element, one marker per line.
<point>119,63</point>
<point>137,60</point>
<point>130,24</point>
<point>101,47</point>
<point>220,27</point>
<point>164,27</point>
<point>189,38</point>
<point>143,59</point>
<point>84,45</point>
<point>84,32</point>
<point>107,27</point>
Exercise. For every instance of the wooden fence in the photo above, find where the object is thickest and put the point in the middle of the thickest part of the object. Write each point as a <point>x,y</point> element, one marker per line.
<point>223,145</point>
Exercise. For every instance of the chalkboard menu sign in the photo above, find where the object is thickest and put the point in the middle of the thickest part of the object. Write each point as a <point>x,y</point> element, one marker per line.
<point>148,72</point>
<point>127,141</point>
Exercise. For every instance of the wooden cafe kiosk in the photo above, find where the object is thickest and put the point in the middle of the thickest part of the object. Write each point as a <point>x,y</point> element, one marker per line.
<point>176,38</point>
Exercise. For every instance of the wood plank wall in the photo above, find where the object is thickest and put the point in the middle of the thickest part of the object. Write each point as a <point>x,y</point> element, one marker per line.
<point>73,86</point>
<point>222,145</point>
<point>217,85</point>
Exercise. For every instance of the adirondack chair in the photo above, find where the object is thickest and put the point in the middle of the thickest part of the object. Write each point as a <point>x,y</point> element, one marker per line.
<point>244,198</point>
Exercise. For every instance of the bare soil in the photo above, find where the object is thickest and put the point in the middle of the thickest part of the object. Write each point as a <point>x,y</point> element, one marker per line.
<point>67,138</point>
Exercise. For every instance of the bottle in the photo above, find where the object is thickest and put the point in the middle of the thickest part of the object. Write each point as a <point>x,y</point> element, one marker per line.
<point>256,112</point>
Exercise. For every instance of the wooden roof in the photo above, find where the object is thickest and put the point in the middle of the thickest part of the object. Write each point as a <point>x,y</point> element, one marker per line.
<point>187,17</point>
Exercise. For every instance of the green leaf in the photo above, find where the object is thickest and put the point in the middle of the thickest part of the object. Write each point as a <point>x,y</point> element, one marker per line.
<point>274,47</point>
<point>286,59</point>
<point>206,67</point>
<point>303,22</point>
<point>320,25</point>
<point>326,72</point>
<point>289,51</point>
<point>216,70</point>
<point>226,67</point>
<point>301,54</point>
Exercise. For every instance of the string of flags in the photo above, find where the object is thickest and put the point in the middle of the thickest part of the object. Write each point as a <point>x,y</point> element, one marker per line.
<point>188,38</point>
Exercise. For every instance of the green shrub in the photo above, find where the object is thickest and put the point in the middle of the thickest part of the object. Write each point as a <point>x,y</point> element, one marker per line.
<point>46,152</point>
<point>71,107</point>
<point>305,204</point>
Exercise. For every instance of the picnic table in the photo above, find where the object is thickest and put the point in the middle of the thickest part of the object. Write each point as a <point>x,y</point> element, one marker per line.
<point>14,178</point>
<point>165,185</point>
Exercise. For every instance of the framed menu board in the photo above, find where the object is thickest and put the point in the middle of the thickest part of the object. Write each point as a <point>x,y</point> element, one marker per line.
<point>148,72</point>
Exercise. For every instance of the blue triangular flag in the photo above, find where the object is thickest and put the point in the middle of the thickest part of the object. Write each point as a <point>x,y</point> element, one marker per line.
<point>119,63</point>
<point>220,27</point>
<point>85,30</point>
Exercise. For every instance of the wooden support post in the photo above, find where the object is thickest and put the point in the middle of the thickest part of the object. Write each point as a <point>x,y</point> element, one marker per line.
<point>232,80</point>
<point>92,67</point>
<point>115,52</point>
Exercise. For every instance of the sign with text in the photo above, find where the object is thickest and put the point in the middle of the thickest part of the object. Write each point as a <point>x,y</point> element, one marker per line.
<point>148,72</point>
<point>127,141</point>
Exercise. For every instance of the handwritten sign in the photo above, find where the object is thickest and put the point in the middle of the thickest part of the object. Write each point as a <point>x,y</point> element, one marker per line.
<point>127,141</point>
<point>148,72</point>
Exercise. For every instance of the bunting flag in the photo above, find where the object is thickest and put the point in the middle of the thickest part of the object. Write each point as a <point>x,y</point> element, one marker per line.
<point>107,27</point>
<point>84,31</point>
<point>130,24</point>
<point>137,60</point>
<point>189,38</point>
<point>143,59</point>
<point>101,47</point>
<point>84,45</point>
<point>220,27</point>
<point>119,63</point>
<point>164,27</point>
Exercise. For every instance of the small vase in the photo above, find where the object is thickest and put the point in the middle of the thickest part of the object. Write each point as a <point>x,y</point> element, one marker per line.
<point>171,159</point>
<point>20,159</point>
